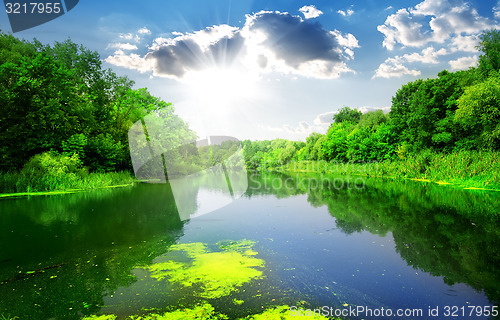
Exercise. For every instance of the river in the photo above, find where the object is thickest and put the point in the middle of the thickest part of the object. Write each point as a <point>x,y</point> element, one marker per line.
<point>305,241</point>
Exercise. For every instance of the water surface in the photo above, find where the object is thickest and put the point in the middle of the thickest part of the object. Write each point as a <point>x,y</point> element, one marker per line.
<point>310,241</point>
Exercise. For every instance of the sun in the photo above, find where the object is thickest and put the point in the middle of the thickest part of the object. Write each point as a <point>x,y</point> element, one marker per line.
<point>221,88</point>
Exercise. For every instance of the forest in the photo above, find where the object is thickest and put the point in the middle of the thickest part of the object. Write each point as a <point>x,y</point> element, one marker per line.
<point>452,120</point>
<point>64,119</point>
<point>64,123</point>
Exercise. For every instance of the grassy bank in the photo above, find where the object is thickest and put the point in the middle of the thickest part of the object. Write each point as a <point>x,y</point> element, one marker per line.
<point>21,183</point>
<point>52,173</point>
<point>468,169</point>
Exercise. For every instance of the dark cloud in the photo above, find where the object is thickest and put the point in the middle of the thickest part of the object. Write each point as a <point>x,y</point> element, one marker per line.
<point>187,55</point>
<point>294,40</point>
<point>270,41</point>
<point>176,59</point>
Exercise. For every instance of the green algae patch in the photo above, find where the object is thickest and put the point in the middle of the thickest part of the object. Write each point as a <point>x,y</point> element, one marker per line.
<point>103,317</point>
<point>283,313</point>
<point>203,312</point>
<point>216,274</point>
<point>207,312</point>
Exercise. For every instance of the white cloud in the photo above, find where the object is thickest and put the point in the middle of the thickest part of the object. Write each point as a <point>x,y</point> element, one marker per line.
<point>135,36</point>
<point>310,12</point>
<point>324,118</point>
<point>123,46</point>
<point>496,10</point>
<point>348,42</point>
<point>432,21</point>
<point>268,42</point>
<point>464,43</point>
<point>428,55</point>
<point>366,109</point>
<point>463,63</point>
<point>347,13</point>
<point>144,30</point>
<point>402,28</point>
<point>130,36</point>
<point>393,67</point>
<point>130,61</point>
<point>303,128</point>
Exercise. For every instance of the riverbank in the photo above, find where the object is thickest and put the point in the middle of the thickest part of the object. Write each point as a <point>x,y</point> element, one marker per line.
<point>18,184</point>
<point>464,169</point>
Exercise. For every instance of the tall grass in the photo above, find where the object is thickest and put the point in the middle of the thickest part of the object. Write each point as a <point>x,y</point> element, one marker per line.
<point>20,182</point>
<point>468,168</point>
<point>479,169</point>
<point>51,171</point>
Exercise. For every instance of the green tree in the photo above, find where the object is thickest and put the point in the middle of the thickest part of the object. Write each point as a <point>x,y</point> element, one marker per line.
<point>479,112</point>
<point>40,106</point>
<point>490,47</point>
<point>347,114</point>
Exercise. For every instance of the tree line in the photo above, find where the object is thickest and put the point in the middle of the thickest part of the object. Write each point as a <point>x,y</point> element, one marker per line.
<point>454,112</point>
<point>60,100</point>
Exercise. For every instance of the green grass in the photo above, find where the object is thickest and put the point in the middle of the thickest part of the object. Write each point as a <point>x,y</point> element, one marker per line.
<point>467,169</point>
<point>20,183</point>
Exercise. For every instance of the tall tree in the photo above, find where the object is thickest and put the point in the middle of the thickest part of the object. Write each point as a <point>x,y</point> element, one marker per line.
<point>490,47</point>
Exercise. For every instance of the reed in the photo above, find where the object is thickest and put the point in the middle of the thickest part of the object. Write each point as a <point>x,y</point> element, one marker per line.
<point>470,169</point>
<point>23,182</point>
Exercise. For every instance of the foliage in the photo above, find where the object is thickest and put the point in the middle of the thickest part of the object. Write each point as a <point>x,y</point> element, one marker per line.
<point>451,113</point>
<point>347,114</point>
<point>479,112</point>
<point>490,46</point>
<point>51,171</point>
<point>59,98</point>
<point>472,169</point>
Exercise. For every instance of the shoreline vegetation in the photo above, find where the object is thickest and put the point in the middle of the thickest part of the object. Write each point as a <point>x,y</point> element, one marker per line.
<point>65,121</point>
<point>468,170</point>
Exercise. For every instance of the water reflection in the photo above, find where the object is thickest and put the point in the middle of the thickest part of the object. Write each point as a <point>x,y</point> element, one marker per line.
<point>67,256</point>
<point>60,255</point>
<point>443,231</point>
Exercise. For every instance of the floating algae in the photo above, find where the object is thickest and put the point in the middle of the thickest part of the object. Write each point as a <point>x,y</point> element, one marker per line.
<point>103,317</point>
<point>216,273</point>
<point>203,312</point>
<point>283,313</point>
<point>207,312</point>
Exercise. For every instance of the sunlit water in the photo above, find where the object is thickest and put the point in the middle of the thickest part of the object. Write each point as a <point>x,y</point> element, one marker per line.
<point>374,244</point>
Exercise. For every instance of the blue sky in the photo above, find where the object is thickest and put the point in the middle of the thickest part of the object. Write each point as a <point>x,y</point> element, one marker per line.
<point>267,69</point>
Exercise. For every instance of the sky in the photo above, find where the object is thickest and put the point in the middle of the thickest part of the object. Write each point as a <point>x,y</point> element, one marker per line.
<point>273,69</point>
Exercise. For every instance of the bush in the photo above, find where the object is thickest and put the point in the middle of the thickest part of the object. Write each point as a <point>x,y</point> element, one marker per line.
<point>50,171</point>
<point>53,164</point>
